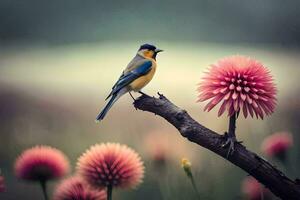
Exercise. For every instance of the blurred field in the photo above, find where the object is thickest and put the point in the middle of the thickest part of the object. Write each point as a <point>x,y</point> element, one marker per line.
<point>51,95</point>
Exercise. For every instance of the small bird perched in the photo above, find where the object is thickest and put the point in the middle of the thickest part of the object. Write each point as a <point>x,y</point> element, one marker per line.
<point>138,73</point>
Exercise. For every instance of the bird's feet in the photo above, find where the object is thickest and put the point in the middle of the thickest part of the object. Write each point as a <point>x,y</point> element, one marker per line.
<point>230,141</point>
<point>142,93</point>
<point>132,96</point>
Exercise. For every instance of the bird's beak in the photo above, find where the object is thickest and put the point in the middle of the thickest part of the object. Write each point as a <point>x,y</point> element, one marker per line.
<point>158,50</point>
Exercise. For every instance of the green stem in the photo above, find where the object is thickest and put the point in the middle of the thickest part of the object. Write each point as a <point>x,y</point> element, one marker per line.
<point>289,167</point>
<point>195,187</point>
<point>109,192</point>
<point>44,189</point>
<point>262,197</point>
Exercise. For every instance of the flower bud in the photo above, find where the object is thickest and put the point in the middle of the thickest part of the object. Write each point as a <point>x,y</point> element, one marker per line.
<point>186,165</point>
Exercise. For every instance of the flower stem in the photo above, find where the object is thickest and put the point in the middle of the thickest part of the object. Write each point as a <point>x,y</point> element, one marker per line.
<point>195,187</point>
<point>44,189</point>
<point>232,126</point>
<point>109,192</point>
<point>262,197</point>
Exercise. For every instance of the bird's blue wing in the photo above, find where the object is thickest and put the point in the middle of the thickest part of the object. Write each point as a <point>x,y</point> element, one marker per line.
<point>130,76</point>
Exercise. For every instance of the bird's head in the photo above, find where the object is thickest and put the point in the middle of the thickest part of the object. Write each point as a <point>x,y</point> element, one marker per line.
<point>149,51</point>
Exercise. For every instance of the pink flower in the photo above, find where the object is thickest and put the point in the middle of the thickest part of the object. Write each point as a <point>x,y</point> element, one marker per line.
<point>2,185</point>
<point>277,144</point>
<point>111,164</point>
<point>158,155</point>
<point>240,83</point>
<point>157,150</point>
<point>41,163</point>
<point>75,188</point>
<point>251,188</point>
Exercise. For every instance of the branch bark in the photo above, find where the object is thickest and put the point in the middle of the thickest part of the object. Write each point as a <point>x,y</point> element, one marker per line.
<point>250,162</point>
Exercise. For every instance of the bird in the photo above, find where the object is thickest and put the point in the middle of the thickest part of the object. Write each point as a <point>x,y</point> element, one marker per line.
<point>138,73</point>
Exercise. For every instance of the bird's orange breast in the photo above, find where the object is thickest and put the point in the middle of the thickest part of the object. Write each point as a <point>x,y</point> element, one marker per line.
<point>142,81</point>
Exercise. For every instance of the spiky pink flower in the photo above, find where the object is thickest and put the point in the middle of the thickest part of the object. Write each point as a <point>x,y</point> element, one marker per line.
<point>277,144</point>
<point>240,83</point>
<point>111,164</point>
<point>2,185</point>
<point>75,188</point>
<point>41,163</point>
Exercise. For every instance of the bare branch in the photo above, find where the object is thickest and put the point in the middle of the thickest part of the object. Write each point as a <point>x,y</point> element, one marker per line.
<point>250,162</point>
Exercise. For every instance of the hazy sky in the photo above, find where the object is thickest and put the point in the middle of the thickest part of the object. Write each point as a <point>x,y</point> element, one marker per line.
<point>71,21</point>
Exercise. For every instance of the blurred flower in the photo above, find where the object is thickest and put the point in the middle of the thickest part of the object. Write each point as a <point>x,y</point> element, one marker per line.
<point>111,164</point>
<point>168,148</point>
<point>2,185</point>
<point>156,149</point>
<point>41,163</point>
<point>277,144</point>
<point>74,188</point>
<point>241,83</point>
<point>158,155</point>
<point>186,165</point>
<point>253,190</point>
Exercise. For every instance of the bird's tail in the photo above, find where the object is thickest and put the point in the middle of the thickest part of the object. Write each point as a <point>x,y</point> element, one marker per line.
<point>110,103</point>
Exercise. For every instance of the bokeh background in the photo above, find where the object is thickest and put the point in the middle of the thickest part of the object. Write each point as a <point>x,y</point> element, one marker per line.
<point>59,59</point>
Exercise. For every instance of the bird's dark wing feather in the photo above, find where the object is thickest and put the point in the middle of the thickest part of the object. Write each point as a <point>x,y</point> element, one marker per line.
<point>127,78</point>
<point>114,86</point>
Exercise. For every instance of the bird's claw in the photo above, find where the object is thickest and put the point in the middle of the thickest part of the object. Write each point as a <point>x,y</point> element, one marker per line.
<point>230,143</point>
<point>132,96</point>
<point>142,93</point>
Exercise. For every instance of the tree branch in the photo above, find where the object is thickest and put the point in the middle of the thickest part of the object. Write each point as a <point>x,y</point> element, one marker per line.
<point>250,162</point>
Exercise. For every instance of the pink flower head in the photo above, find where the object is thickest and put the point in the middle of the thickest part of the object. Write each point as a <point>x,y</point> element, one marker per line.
<point>41,163</point>
<point>277,144</point>
<point>251,188</point>
<point>111,164</point>
<point>240,83</point>
<point>2,185</point>
<point>75,188</point>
